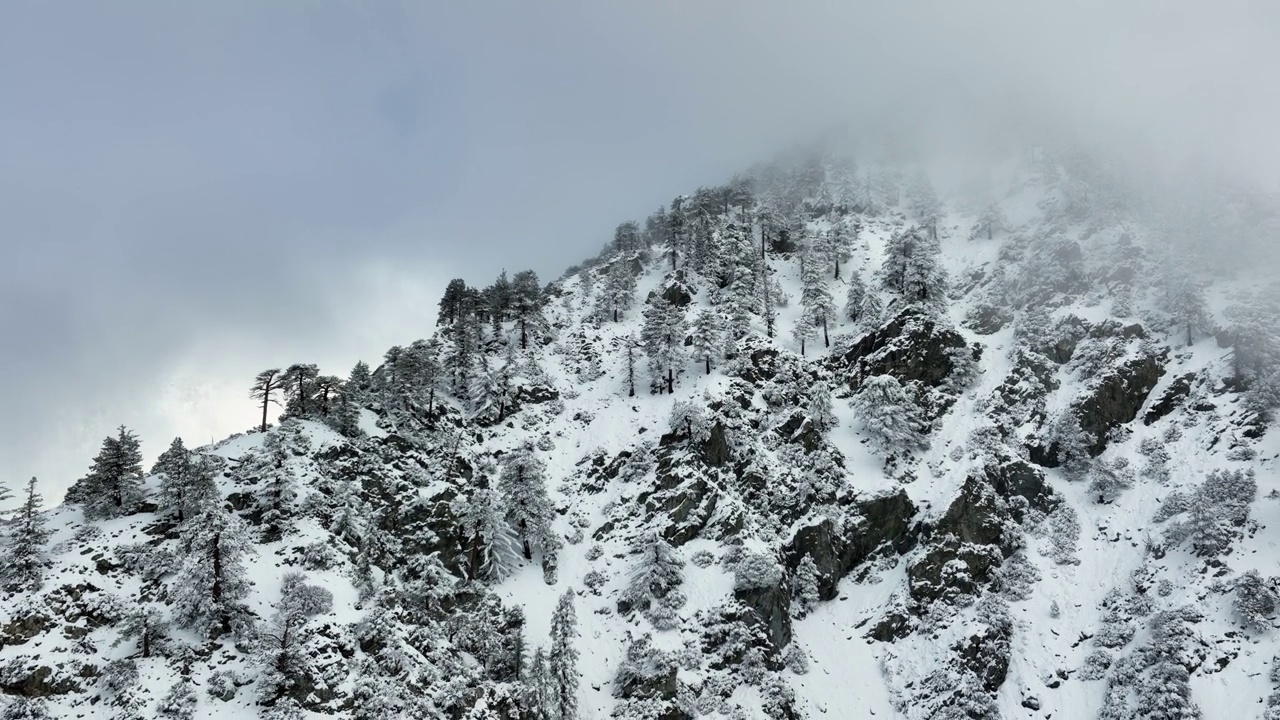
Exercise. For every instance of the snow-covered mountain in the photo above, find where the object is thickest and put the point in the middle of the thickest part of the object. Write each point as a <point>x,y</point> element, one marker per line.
<point>1022,469</point>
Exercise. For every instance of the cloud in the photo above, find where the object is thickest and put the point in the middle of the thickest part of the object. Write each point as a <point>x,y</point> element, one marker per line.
<point>192,191</point>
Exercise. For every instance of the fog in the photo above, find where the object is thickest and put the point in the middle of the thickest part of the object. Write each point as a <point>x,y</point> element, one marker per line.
<point>192,192</point>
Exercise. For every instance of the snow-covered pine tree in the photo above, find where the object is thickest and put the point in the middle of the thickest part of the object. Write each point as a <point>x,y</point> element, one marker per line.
<point>663,336</point>
<point>113,486</point>
<point>179,703</point>
<point>146,624</point>
<point>212,584</point>
<point>804,590</point>
<point>619,289</point>
<point>1183,299</point>
<point>526,306</point>
<point>493,549</point>
<point>820,411</point>
<point>562,658</point>
<point>990,221</point>
<point>175,467</point>
<point>299,385</point>
<point>523,485</point>
<point>277,487</point>
<point>924,202</point>
<point>913,270</point>
<point>630,346</point>
<point>706,336</point>
<point>888,414</point>
<point>658,570</point>
<point>28,534</point>
<point>359,382</point>
<point>264,389</point>
<point>815,294</point>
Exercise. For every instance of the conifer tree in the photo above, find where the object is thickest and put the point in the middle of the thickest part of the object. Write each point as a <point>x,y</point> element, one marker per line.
<point>526,306</point>
<point>299,384</point>
<point>862,305</point>
<point>277,487</point>
<point>990,221</point>
<point>264,388</point>
<point>924,203</point>
<point>815,296</point>
<point>766,297</point>
<point>1184,300</point>
<point>175,467</point>
<point>888,414</point>
<point>145,624</point>
<point>359,382</point>
<point>663,335</point>
<point>451,305</point>
<point>523,486</point>
<point>913,268</point>
<point>113,486</point>
<point>631,345</point>
<point>657,572</point>
<point>619,289</point>
<point>805,591</point>
<point>179,703</point>
<point>212,583</point>
<point>706,336</point>
<point>27,537</point>
<point>493,548</point>
<point>562,659</point>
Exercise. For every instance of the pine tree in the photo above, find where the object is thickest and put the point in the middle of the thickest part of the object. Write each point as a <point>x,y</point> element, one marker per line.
<point>526,306</point>
<point>277,487</point>
<point>524,489</point>
<point>1184,300</point>
<point>805,587</point>
<point>663,336</point>
<point>990,221</point>
<point>299,384</point>
<point>179,703</point>
<point>493,547</point>
<point>913,269</point>
<point>265,385</point>
<point>212,583</point>
<point>147,625</point>
<point>360,382</point>
<point>924,203</point>
<point>767,299</point>
<point>631,345</point>
<point>657,572</point>
<point>706,335</point>
<point>888,414</point>
<point>619,289</point>
<point>815,296</point>
<point>820,412</point>
<point>27,537</point>
<point>175,467</point>
<point>113,486</point>
<point>562,659</point>
<point>540,689</point>
<point>862,305</point>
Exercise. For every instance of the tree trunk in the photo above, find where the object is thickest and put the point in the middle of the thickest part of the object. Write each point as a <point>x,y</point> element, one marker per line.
<point>266,397</point>
<point>708,358</point>
<point>524,336</point>
<point>1189,338</point>
<point>826,341</point>
<point>801,347</point>
<point>671,382</point>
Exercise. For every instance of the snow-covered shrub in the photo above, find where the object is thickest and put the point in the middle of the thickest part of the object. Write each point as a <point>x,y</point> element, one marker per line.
<point>1214,513</point>
<point>595,552</point>
<point>703,558</point>
<point>1156,466</point>
<point>24,708</point>
<point>889,415</point>
<point>594,580</point>
<point>302,599</point>
<point>756,571</point>
<point>796,659</point>
<point>222,685</point>
<point>1254,601</point>
<point>1095,665</point>
<point>119,679</point>
<point>179,703</point>
<point>1017,577</point>
<point>320,556</point>
<point>1108,479</point>
<point>1063,530</point>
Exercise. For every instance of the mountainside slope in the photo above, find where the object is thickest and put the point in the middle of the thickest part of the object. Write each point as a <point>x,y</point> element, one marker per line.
<point>998,483</point>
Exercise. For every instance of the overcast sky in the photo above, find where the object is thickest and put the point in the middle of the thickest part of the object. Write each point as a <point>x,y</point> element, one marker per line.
<point>191,192</point>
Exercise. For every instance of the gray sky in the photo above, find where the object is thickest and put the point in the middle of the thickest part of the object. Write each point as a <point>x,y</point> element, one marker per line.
<point>190,192</point>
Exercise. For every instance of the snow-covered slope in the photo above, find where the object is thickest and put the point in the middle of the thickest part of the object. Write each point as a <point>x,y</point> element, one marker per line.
<point>1008,488</point>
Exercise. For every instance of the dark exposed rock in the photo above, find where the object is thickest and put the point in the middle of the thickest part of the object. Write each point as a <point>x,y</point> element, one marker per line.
<point>20,630</point>
<point>952,568</point>
<point>986,654</point>
<point>772,608</point>
<point>975,516</point>
<point>882,521</point>
<point>911,347</point>
<point>1173,396</point>
<point>1017,478</point>
<point>37,682</point>
<point>1117,399</point>
<point>1114,401</point>
<point>989,319</point>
